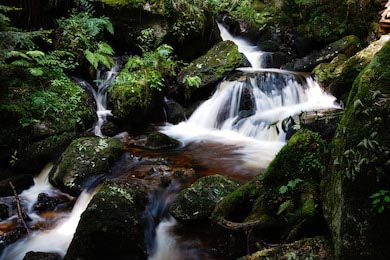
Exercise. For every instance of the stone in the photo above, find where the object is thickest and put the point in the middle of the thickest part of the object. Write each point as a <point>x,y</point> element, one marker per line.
<point>41,256</point>
<point>86,159</point>
<point>175,112</point>
<point>4,211</point>
<point>197,202</point>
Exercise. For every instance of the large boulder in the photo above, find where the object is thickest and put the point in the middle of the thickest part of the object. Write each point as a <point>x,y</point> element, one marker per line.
<point>338,75</point>
<point>112,226</point>
<point>348,45</point>
<point>197,202</point>
<point>212,66</point>
<point>355,190</point>
<point>84,160</point>
<point>285,197</point>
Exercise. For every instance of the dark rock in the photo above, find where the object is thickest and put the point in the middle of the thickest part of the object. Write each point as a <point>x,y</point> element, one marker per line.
<point>11,236</point>
<point>4,211</point>
<point>45,202</point>
<point>112,226</point>
<point>268,46</point>
<point>85,159</point>
<point>175,112</point>
<point>308,248</point>
<point>41,256</point>
<point>359,167</point>
<point>197,202</point>
<point>213,66</point>
<point>21,182</point>
<point>348,45</point>
<point>157,141</point>
<point>110,129</point>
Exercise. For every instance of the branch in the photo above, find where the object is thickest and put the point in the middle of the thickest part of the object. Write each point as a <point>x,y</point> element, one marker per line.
<point>19,208</point>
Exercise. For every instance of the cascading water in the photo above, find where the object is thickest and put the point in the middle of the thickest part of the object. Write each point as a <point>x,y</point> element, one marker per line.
<point>248,112</point>
<point>104,79</point>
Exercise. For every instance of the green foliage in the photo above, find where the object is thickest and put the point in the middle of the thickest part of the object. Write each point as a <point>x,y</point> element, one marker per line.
<point>81,35</point>
<point>291,185</point>
<point>381,200</point>
<point>141,77</point>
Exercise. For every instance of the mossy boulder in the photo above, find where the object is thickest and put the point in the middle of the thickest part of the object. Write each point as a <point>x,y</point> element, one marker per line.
<point>348,45</point>
<point>214,65</point>
<point>285,196</point>
<point>338,75</point>
<point>308,248</point>
<point>157,141</point>
<point>359,167</point>
<point>197,202</point>
<point>85,159</point>
<point>112,226</point>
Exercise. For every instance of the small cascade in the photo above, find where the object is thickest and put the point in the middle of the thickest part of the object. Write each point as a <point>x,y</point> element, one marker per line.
<point>104,79</point>
<point>248,111</point>
<point>55,240</point>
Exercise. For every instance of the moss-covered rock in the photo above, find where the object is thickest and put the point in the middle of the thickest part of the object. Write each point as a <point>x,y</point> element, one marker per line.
<point>338,75</point>
<point>308,248</point>
<point>85,158</point>
<point>197,202</point>
<point>359,167</point>
<point>214,65</point>
<point>157,140</point>
<point>348,45</point>
<point>284,196</point>
<point>112,226</point>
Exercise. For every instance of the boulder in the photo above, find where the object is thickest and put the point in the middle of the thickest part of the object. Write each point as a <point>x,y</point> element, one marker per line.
<point>41,256</point>
<point>112,226</point>
<point>348,45</point>
<point>355,190</point>
<point>308,248</point>
<point>285,197</point>
<point>84,160</point>
<point>4,211</point>
<point>156,141</point>
<point>213,66</point>
<point>175,112</point>
<point>197,202</point>
<point>338,75</point>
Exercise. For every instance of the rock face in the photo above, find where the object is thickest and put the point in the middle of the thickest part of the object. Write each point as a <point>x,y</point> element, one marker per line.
<point>348,45</point>
<point>112,225</point>
<point>354,206</point>
<point>84,159</point>
<point>338,75</point>
<point>308,248</point>
<point>197,202</point>
<point>285,196</point>
<point>214,65</point>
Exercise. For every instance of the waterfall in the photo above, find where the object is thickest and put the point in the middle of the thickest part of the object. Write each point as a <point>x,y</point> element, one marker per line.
<point>248,112</point>
<point>104,79</point>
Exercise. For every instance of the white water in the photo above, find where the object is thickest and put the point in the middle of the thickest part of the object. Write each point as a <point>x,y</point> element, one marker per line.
<point>55,240</point>
<point>257,132</point>
<point>104,80</point>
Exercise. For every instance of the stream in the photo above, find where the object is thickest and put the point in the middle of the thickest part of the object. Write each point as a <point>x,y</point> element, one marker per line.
<point>236,132</point>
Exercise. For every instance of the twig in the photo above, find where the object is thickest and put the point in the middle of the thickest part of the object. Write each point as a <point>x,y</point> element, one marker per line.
<point>19,208</point>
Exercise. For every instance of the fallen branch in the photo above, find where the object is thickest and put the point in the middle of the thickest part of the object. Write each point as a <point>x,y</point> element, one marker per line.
<point>19,208</point>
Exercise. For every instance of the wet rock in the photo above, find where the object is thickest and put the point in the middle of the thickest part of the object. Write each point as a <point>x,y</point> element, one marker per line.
<point>41,256</point>
<point>158,141</point>
<point>45,202</point>
<point>358,169</point>
<point>197,202</point>
<point>308,248</point>
<point>86,159</point>
<point>348,45</point>
<point>338,75</point>
<point>21,182</point>
<point>4,211</point>
<point>268,46</point>
<point>112,226</point>
<point>285,197</point>
<point>213,66</point>
<point>11,236</point>
<point>175,112</point>
<point>110,129</point>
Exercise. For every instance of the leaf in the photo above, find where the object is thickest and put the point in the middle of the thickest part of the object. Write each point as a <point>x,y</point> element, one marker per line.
<point>381,209</point>
<point>21,63</point>
<point>386,199</point>
<point>283,189</point>
<point>109,27</point>
<point>105,48</point>
<point>283,207</point>
<point>91,58</point>
<point>36,72</point>
<point>35,54</point>
<point>376,201</point>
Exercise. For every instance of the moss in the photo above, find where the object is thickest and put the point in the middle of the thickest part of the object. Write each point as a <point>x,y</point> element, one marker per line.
<point>112,225</point>
<point>197,202</point>
<point>358,165</point>
<point>296,170</point>
<point>83,159</point>
<point>214,65</point>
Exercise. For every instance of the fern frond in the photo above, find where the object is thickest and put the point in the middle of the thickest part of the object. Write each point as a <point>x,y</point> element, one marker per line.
<point>90,56</point>
<point>21,63</point>
<point>104,48</point>
<point>36,71</point>
<point>19,54</point>
<point>35,54</point>
<point>105,60</point>
<point>109,27</point>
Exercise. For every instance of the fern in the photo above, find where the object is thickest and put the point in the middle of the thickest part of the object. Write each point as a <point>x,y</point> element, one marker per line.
<point>35,54</point>
<point>104,48</point>
<point>21,63</point>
